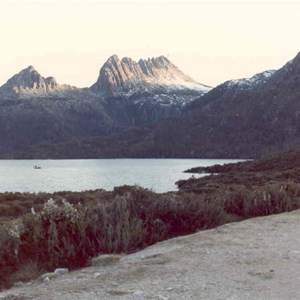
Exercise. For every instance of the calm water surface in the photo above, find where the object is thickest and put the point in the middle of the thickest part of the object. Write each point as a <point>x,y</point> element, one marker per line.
<point>159,175</point>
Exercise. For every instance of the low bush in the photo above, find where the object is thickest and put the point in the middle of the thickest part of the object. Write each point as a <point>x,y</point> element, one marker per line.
<point>63,234</point>
<point>9,262</point>
<point>55,236</point>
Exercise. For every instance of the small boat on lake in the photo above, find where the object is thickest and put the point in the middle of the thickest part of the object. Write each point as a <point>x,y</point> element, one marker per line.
<point>37,167</point>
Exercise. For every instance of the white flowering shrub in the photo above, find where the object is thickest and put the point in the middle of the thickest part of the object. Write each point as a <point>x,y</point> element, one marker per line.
<point>55,212</point>
<point>55,235</point>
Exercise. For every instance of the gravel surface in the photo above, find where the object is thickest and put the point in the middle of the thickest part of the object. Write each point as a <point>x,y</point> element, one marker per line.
<point>253,259</point>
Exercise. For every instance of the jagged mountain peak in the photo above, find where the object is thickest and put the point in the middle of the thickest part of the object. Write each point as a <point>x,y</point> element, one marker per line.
<point>29,71</point>
<point>128,60</point>
<point>29,68</point>
<point>29,82</point>
<point>27,77</point>
<point>156,60</point>
<point>162,58</point>
<point>113,58</point>
<point>126,76</point>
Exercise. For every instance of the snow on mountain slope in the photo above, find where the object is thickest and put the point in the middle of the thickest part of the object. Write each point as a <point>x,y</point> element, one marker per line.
<point>249,83</point>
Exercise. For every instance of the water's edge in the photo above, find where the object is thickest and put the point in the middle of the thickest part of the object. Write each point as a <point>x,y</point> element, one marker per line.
<point>51,176</point>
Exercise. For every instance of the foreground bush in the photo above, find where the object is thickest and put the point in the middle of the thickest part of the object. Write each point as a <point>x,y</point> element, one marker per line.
<point>61,234</point>
<point>55,236</point>
<point>9,262</point>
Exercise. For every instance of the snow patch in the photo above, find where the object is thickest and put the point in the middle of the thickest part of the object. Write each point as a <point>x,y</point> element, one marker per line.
<point>246,83</point>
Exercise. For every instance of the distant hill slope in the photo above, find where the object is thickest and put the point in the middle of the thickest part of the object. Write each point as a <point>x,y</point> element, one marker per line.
<point>28,123</point>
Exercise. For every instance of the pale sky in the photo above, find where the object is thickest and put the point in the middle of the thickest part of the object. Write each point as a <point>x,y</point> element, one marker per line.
<point>212,41</point>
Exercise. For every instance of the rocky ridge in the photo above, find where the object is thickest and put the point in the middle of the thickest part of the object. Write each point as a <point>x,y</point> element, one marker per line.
<point>29,83</point>
<point>125,76</point>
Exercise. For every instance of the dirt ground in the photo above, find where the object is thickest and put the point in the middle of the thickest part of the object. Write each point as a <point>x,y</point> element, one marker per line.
<point>253,259</point>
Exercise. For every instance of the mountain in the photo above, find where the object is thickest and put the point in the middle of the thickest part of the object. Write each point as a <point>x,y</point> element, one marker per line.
<point>244,118</point>
<point>131,115</point>
<point>126,77</point>
<point>146,91</point>
<point>35,110</point>
<point>29,83</point>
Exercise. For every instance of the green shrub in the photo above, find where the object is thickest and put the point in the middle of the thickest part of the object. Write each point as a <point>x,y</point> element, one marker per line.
<point>61,234</point>
<point>9,246</point>
<point>118,228</point>
<point>55,236</point>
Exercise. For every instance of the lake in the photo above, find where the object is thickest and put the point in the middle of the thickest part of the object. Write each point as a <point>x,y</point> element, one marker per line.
<point>159,175</point>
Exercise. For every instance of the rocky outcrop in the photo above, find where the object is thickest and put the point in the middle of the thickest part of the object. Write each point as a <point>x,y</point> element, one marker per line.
<point>29,83</point>
<point>126,77</point>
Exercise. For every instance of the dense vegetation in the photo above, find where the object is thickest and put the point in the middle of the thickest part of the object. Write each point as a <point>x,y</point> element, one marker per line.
<point>40,232</point>
<point>276,162</point>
